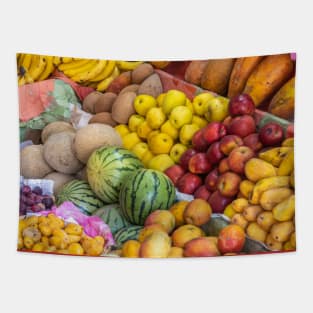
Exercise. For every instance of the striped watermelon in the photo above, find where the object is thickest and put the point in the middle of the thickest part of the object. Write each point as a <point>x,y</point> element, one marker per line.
<point>145,191</point>
<point>107,168</point>
<point>111,215</point>
<point>81,195</point>
<point>127,233</point>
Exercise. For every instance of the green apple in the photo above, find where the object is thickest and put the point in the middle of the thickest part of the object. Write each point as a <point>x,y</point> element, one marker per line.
<point>180,116</point>
<point>143,103</point>
<point>186,133</point>
<point>200,103</point>
<point>134,121</point>
<point>177,150</point>
<point>217,109</point>
<point>172,99</point>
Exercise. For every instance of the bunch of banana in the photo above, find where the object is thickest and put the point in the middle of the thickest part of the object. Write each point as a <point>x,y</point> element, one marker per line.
<point>266,206</point>
<point>32,67</point>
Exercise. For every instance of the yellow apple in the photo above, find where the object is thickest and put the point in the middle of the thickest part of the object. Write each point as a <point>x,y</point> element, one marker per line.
<point>160,162</point>
<point>217,109</point>
<point>139,149</point>
<point>147,156</point>
<point>186,133</point>
<point>150,135</point>
<point>155,118</point>
<point>130,140</point>
<point>160,99</point>
<point>143,130</point>
<point>200,121</point>
<point>161,143</point>
<point>200,102</point>
<point>189,105</point>
<point>180,116</point>
<point>143,103</point>
<point>169,129</point>
<point>172,99</point>
<point>177,150</point>
<point>122,130</point>
<point>134,121</point>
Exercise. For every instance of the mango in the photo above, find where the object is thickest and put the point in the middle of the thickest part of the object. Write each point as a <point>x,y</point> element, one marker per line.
<point>288,246</point>
<point>265,219</point>
<point>270,198</point>
<point>150,229</point>
<point>130,249</point>
<point>256,169</point>
<point>293,240</point>
<point>201,247</point>
<point>185,233</point>
<point>229,211</point>
<point>251,212</point>
<point>163,217</point>
<point>273,244</point>
<point>246,187</point>
<point>157,245</point>
<point>254,231</point>
<point>285,210</point>
<point>287,164</point>
<point>177,210</point>
<point>198,212</point>
<point>282,231</point>
<point>239,204</point>
<point>176,252</point>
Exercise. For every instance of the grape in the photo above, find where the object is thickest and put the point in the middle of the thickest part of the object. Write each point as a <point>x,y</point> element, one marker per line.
<point>37,190</point>
<point>26,190</point>
<point>48,202</point>
<point>29,201</point>
<point>37,199</point>
<point>37,207</point>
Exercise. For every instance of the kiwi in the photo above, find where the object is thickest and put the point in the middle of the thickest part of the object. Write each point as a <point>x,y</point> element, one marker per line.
<point>123,107</point>
<point>105,102</point>
<point>92,137</point>
<point>90,100</point>
<point>55,127</point>
<point>103,118</point>
<point>151,86</point>
<point>132,87</point>
<point>59,154</point>
<point>140,73</point>
<point>59,180</point>
<point>33,164</point>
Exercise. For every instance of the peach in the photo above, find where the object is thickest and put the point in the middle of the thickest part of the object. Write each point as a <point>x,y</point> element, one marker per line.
<point>197,212</point>
<point>162,217</point>
<point>231,239</point>
<point>177,209</point>
<point>201,247</point>
<point>157,245</point>
<point>150,229</point>
<point>176,252</point>
<point>185,233</point>
<point>130,249</point>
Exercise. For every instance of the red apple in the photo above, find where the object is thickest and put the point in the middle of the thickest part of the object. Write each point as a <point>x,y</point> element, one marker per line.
<point>188,183</point>
<point>185,157</point>
<point>199,164</point>
<point>238,158</point>
<point>231,239</point>
<point>202,193</point>
<point>198,141</point>
<point>253,141</point>
<point>218,202</point>
<point>271,134</point>
<point>228,184</point>
<point>229,142</point>
<point>214,153</point>
<point>223,166</point>
<point>214,131</point>
<point>227,122</point>
<point>211,180</point>
<point>241,105</point>
<point>174,172</point>
<point>242,126</point>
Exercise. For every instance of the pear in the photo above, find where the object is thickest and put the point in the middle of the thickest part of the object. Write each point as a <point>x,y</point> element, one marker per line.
<point>238,219</point>
<point>251,212</point>
<point>273,244</point>
<point>285,210</point>
<point>266,220</point>
<point>254,231</point>
<point>281,231</point>
<point>270,198</point>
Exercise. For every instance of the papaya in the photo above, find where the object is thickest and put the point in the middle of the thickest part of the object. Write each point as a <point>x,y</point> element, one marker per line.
<point>195,70</point>
<point>268,77</point>
<point>216,75</point>
<point>283,102</point>
<point>241,71</point>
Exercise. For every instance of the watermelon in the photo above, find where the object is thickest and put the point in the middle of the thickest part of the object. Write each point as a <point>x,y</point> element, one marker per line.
<point>81,195</point>
<point>143,192</point>
<point>127,233</point>
<point>111,215</point>
<point>107,168</point>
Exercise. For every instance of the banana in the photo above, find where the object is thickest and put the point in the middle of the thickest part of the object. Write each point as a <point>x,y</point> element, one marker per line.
<point>287,164</point>
<point>104,84</point>
<point>266,184</point>
<point>64,67</point>
<point>66,60</point>
<point>48,69</point>
<point>38,67</point>
<point>93,71</point>
<point>288,142</point>
<point>34,63</point>
<point>107,71</point>
<point>274,155</point>
<point>56,60</point>
<point>76,72</point>
<point>128,65</point>
<point>26,78</point>
<point>26,61</point>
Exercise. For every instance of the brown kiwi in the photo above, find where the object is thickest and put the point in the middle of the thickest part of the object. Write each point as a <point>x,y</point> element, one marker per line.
<point>105,102</point>
<point>90,100</point>
<point>103,118</point>
<point>123,107</point>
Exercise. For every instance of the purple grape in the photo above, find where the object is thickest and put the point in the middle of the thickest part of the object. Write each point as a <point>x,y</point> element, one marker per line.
<point>23,199</point>
<point>37,199</point>
<point>26,190</point>
<point>48,202</point>
<point>29,202</point>
<point>37,190</point>
<point>38,207</point>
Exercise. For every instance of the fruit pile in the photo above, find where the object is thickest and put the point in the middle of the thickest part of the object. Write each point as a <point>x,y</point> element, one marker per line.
<point>33,200</point>
<point>51,234</point>
<point>177,233</point>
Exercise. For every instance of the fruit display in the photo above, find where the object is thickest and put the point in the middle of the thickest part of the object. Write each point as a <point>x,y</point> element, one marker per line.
<point>174,158</point>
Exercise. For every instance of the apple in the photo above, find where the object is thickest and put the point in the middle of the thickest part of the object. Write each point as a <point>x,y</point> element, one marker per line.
<point>198,141</point>
<point>199,164</point>
<point>271,134</point>
<point>217,109</point>
<point>253,141</point>
<point>189,183</point>
<point>227,122</point>
<point>229,142</point>
<point>228,184</point>
<point>241,105</point>
<point>223,166</point>
<point>211,180</point>
<point>143,103</point>
<point>214,153</point>
<point>174,172</point>
<point>200,103</point>
<point>186,133</point>
<point>177,151</point>
<point>203,193</point>
<point>185,157</point>
<point>180,116</point>
<point>242,126</point>
<point>218,202</point>
<point>231,239</point>
<point>238,158</point>
<point>214,131</point>
<point>172,99</point>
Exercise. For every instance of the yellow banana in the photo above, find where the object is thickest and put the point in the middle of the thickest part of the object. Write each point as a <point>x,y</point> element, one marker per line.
<point>19,64</point>
<point>266,184</point>
<point>56,60</point>
<point>288,142</point>
<point>104,84</point>
<point>25,63</point>
<point>64,67</point>
<point>285,210</point>
<point>92,84</point>
<point>34,63</point>
<point>287,164</point>
<point>76,72</point>
<point>26,78</point>
<point>48,69</point>
<point>96,70</point>
<point>35,71</point>
<point>128,65</point>
<point>274,155</point>
<point>66,60</point>
<point>107,71</point>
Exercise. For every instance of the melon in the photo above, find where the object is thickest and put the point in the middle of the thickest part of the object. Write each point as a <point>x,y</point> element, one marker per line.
<point>108,168</point>
<point>143,192</point>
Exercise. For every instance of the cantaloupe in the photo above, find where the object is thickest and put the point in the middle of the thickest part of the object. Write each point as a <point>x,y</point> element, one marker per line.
<point>55,127</point>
